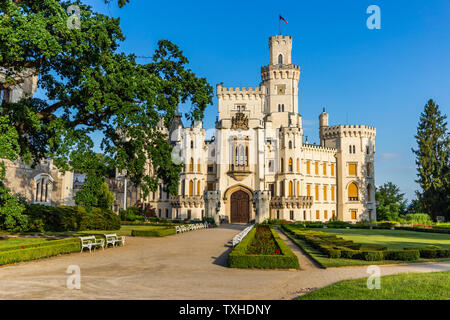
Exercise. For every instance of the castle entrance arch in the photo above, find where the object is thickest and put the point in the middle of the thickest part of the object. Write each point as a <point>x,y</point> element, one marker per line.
<point>240,207</point>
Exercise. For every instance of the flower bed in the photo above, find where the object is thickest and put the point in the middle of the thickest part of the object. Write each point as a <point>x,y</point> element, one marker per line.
<point>336,247</point>
<point>262,248</point>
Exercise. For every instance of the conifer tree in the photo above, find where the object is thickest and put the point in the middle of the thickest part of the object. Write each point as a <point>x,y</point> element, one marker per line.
<point>432,160</point>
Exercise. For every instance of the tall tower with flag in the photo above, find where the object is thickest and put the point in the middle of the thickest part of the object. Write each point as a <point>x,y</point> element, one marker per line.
<point>281,77</point>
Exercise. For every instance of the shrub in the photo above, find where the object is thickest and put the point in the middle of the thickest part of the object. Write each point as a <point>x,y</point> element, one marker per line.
<point>370,255</point>
<point>65,218</point>
<point>418,218</point>
<point>405,255</point>
<point>338,224</point>
<point>348,253</point>
<point>157,232</point>
<point>52,248</point>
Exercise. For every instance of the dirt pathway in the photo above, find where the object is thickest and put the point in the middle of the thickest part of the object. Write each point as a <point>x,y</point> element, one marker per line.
<point>185,266</point>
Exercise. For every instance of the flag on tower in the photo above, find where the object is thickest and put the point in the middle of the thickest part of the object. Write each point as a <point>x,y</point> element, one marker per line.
<point>281,18</point>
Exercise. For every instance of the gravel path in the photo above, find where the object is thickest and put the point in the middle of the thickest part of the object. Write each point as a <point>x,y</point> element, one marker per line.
<point>185,266</point>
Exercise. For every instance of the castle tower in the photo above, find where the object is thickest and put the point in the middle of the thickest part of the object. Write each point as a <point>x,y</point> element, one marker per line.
<point>323,123</point>
<point>281,77</point>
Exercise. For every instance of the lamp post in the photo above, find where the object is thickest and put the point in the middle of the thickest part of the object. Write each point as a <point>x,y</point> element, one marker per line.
<point>124,178</point>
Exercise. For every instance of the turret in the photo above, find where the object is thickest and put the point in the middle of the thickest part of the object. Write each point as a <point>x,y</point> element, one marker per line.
<point>323,123</point>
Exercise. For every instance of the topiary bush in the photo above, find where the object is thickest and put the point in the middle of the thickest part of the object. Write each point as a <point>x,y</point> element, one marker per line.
<point>65,218</point>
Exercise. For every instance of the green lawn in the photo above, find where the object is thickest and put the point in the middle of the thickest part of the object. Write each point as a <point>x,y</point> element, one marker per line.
<point>393,239</point>
<point>9,240</point>
<point>326,262</point>
<point>408,286</point>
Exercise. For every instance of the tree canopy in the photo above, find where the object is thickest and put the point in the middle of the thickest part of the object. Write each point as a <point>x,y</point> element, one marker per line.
<point>90,86</point>
<point>391,203</point>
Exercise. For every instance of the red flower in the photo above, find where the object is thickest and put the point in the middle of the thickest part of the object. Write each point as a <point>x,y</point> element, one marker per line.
<point>23,247</point>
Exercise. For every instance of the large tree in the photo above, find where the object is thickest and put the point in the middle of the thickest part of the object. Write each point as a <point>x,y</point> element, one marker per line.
<point>390,202</point>
<point>92,87</point>
<point>432,160</point>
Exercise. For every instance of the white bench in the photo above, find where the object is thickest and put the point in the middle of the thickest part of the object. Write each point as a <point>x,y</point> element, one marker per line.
<point>241,235</point>
<point>178,229</point>
<point>91,242</point>
<point>114,239</point>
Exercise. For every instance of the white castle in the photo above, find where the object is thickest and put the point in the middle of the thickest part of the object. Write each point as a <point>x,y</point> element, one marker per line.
<point>257,166</point>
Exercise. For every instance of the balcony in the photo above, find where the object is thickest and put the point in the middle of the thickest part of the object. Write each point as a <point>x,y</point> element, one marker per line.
<point>186,201</point>
<point>239,172</point>
<point>301,202</point>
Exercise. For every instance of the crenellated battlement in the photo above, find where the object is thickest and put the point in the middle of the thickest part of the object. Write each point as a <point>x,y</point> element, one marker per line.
<point>285,71</point>
<point>314,147</point>
<point>349,130</point>
<point>235,91</point>
<point>279,37</point>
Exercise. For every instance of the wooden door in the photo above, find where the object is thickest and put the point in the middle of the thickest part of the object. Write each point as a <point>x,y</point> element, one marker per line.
<point>240,207</point>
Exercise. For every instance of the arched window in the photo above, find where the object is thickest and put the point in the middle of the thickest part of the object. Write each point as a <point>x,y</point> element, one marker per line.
<point>241,155</point>
<point>290,165</point>
<point>298,189</point>
<point>290,189</point>
<point>282,107</point>
<point>282,165</point>
<point>192,144</point>
<point>191,187</point>
<point>198,187</point>
<point>352,192</point>
<point>44,183</point>
<point>298,165</point>
<point>354,149</point>
<point>246,156</point>
<point>349,149</point>
<point>369,193</point>
<point>280,59</point>
<point>290,144</point>
<point>191,165</point>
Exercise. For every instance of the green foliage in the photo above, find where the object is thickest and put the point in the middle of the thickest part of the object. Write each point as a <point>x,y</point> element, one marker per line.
<point>417,218</point>
<point>391,202</point>
<point>63,218</point>
<point>238,258</point>
<point>93,87</point>
<point>133,214</point>
<point>38,251</point>
<point>157,232</point>
<point>433,161</point>
<point>404,255</point>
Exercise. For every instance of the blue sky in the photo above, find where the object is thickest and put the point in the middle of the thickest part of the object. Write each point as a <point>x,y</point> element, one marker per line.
<point>380,78</point>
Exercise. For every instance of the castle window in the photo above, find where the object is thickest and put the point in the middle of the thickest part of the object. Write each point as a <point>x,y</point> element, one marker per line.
<point>308,167</point>
<point>352,169</point>
<point>210,186</point>
<point>199,166</point>
<point>191,165</point>
<point>290,165</point>
<point>298,165</point>
<point>298,189</point>
<point>325,193</point>
<point>291,215</point>
<point>316,168</point>
<point>198,187</point>
<point>282,108</point>
<point>317,193</point>
<point>349,149</point>
<point>353,214</point>
<point>317,214</point>
<point>368,170</point>
<point>183,188</point>
<point>333,213</point>
<point>332,169</point>
<point>369,193</point>
<point>192,144</point>
<point>354,149</point>
<point>332,193</point>
<point>191,188</point>
<point>352,192</point>
<point>280,59</point>
<point>367,149</point>
<point>210,168</point>
<point>308,190</point>
<point>291,192</point>
<point>281,188</point>
<point>324,169</point>
<point>282,165</point>
<point>325,214</point>
<point>44,183</point>
<point>290,144</point>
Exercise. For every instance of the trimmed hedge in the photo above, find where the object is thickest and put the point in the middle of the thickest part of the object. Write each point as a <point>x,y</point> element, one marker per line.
<point>239,258</point>
<point>335,247</point>
<point>158,232</point>
<point>64,218</point>
<point>52,248</point>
